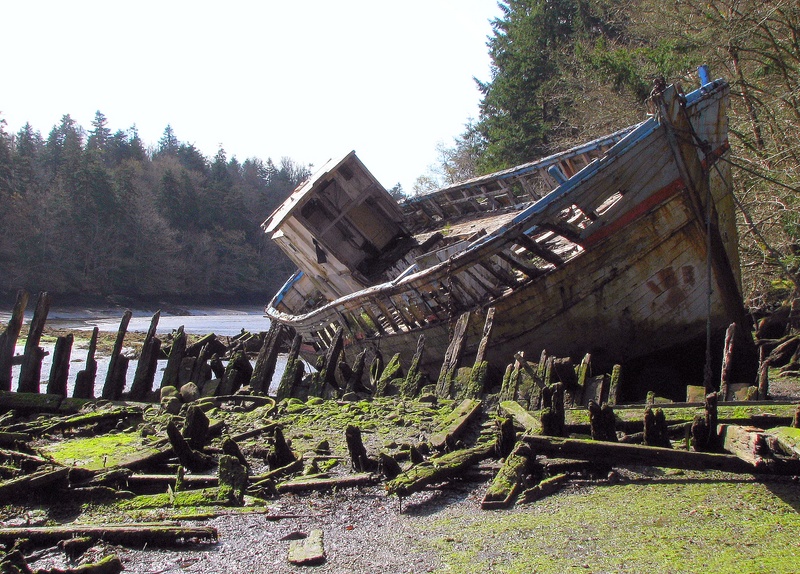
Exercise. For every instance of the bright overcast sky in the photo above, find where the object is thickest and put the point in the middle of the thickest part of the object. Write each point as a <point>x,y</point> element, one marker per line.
<point>307,79</point>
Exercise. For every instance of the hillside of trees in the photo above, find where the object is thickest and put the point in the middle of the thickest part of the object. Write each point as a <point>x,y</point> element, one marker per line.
<point>92,214</point>
<point>566,71</point>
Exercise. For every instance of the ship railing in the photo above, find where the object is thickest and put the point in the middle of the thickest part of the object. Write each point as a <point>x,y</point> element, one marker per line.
<point>512,187</point>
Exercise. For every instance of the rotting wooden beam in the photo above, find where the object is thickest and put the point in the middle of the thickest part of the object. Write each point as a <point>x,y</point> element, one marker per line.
<point>620,453</point>
<point>455,424</point>
<point>522,417</point>
<point>509,479</point>
<point>438,469</point>
<point>307,483</point>
<point>130,535</point>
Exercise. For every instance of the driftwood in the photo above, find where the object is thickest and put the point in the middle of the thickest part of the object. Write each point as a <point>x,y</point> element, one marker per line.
<point>14,562</point>
<point>438,469</point>
<point>354,382</point>
<point>727,361</point>
<point>195,428</point>
<point>358,453</point>
<point>552,413</point>
<point>31,371</point>
<point>176,354</point>
<point>411,384</point>
<point>787,439</point>
<point>656,432</point>
<point>280,454</point>
<point>602,422</point>
<point>455,424</point>
<point>8,339</point>
<point>480,368</point>
<point>33,481</point>
<point>131,535</point>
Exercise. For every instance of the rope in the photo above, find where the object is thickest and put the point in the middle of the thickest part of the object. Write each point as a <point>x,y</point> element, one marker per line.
<point>761,175</point>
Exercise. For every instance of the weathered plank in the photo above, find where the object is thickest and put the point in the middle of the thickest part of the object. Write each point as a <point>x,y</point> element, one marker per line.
<point>787,439</point>
<point>438,469</point>
<point>84,381</point>
<point>306,483</point>
<point>455,423</point>
<point>264,368</point>
<point>620,453</point>
<point>527,421</point>
<point>746,443</point>
<point>509,479</point>
<point>130,535</point>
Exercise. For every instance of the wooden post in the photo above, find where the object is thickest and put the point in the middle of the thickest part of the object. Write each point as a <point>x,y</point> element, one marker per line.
<point>31,372</point>
<point>84,382</point>
<point>354,384</point>
<point>358,453</point>
<point>410,386</point>
<point>176,354</point>
<point>727,362</point>
<point>480,369</point>
<point>115,378</point>
<point>332,358</point>
<point>290,376</point>
<point>614,384</point>
<point>8,340</point>
<point>602,422</point>
<point>452,357</point>
<point>237,373</point>
<point>59,370</point>
<point>142,385</point>
<point>264,369</point>
<point>763,380</point>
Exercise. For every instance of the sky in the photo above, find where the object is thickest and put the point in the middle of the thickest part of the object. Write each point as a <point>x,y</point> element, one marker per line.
<point>307,79</point>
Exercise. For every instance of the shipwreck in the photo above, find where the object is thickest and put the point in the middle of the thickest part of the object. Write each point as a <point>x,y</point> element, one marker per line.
<point>622,247</point>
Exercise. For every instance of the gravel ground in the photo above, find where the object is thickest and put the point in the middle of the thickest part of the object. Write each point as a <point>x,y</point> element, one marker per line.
<point>364,531</point>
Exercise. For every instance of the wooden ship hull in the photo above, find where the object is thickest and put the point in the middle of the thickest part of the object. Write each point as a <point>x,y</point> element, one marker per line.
<point>620,248</point>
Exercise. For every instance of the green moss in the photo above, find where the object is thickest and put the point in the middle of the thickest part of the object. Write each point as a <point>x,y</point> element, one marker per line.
<point>96,453</point>
<point>681,526</point>
<point>186,498</point>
